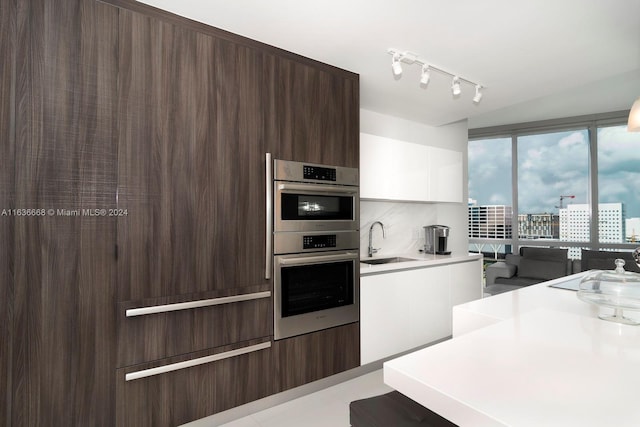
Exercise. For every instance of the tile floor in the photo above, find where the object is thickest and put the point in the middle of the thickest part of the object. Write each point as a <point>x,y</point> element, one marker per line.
<point>324,408</point>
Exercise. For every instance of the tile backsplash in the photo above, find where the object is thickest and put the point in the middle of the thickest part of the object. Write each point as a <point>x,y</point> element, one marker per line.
<point>403,226</point>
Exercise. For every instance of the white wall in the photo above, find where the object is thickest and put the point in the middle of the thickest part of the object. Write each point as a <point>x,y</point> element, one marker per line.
<point>404,221</point>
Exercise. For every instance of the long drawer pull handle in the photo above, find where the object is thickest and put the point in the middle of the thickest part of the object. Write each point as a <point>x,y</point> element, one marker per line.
<point>195,304</point>
<point>195,362</point>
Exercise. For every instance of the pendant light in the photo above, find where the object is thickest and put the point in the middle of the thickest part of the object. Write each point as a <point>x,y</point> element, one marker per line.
<point>634,117</point>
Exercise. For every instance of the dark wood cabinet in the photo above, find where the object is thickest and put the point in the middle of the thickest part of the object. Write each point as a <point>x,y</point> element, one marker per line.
<point>183,325</point>
<point>191,162</point>
<point>163,123</point>
<point>182,395</point>
<point>63,320</point>
<point>310,357</point>
<point>7,198</point>
<point>312,113</point>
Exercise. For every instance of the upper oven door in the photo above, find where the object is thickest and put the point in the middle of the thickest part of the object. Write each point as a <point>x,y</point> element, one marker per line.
<point>315,207</point>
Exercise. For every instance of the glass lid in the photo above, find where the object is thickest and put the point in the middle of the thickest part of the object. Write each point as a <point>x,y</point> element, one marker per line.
<point>617,289</point>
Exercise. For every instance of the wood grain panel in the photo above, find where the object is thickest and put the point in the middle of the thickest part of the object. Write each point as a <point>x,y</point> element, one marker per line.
<point>177,397</point>
<point>64,322</point>
<point>190,162</point>
<point>310,357</point>
<point>7,200</point>
<point>162,335</point>
<point>312,114</point>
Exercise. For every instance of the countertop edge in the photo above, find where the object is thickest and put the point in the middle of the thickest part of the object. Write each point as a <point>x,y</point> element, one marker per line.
<point>421,261</point>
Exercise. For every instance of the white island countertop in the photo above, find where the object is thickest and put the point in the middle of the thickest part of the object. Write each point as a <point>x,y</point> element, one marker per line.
<point>535,357</point>
<point>421,260</point>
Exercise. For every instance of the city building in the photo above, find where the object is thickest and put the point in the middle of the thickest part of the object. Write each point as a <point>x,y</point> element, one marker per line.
<point>538,226</point>
<point>575,219</point>
<point>574,223</point>
<point>490,222</point>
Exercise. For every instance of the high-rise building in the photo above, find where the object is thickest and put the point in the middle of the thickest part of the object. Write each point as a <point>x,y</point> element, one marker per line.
<point>490,222</point>
<point>538,226</point>
<point>575,224</point>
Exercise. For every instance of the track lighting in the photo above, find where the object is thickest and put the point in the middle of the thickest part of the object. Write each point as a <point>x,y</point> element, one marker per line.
<point>478,95</point>
<point>455,86</point>
<point>395,65</point>
<point>425,76</point>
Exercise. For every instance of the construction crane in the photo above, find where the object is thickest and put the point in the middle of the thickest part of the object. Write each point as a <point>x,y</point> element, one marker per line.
<point>564,197</point>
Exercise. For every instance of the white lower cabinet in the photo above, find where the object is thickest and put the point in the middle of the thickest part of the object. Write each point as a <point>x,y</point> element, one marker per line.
<point>406,309</point>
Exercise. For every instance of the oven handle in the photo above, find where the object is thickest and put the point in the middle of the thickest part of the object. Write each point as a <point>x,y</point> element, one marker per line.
<point>317,188</point>
<point>320,258</point>
<point>268,251</point>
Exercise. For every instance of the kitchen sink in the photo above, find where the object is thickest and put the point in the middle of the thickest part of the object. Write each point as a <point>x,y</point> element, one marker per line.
<point>386,260</point>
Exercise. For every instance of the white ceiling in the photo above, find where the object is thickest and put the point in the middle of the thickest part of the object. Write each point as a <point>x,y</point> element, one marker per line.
<point>538,59</point>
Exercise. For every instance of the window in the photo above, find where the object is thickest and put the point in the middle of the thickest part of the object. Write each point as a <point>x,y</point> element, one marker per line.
<point>618,188</point>
<point>490,212</point>
<point>553,186</point>
<point>563,167</point>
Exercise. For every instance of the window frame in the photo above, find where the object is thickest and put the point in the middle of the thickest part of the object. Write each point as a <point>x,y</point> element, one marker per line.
<point>590,122</point>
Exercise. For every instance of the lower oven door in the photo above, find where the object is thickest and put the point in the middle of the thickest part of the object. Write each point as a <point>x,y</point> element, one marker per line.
<point>315,291</point>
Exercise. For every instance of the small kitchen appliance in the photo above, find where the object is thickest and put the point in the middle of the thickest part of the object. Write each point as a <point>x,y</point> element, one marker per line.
<point>435,238</point>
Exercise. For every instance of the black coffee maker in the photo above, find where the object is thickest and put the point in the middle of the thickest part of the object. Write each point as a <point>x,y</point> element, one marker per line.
<point>435,239</point>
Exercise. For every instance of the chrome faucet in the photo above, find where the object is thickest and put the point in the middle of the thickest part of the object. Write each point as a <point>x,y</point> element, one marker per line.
<point>373,250</point>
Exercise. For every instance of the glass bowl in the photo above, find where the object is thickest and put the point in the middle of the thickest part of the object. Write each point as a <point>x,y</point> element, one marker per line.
<point>617,289</point>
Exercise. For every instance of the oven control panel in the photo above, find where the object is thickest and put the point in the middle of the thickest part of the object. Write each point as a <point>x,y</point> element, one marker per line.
<point>319,241</point>
<point>318,173</point>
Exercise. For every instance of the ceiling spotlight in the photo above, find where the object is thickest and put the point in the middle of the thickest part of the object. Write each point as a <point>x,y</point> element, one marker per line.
<point>455,86</point>
<point>395,65</point>
<point>478,95</point>
<point>424,79</point>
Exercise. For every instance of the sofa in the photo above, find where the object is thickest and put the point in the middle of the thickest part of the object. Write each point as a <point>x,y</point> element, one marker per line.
<point>536,265</point>
<point>605,260</point>
<point>530,266</point>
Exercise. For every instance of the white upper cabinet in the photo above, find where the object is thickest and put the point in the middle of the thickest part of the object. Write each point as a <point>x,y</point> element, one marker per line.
<point>397,170</point>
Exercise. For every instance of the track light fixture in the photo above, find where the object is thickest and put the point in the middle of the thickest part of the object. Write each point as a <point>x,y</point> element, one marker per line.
<point>400,57</point>
<point>455,86</point>
<point>478,95</point>
<point>395,65</point>
<point>424,78</point>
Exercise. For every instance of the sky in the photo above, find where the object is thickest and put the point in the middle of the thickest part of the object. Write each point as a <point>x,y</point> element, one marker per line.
<point>557,164</point>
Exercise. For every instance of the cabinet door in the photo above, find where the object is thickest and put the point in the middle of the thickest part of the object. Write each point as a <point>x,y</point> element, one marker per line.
<point>403,310</point>
<point>191,162</point>
<point>194,386</point>
<point>312,113</point>
<point>63,329</point>
<point>393,170</point>
<point>7,196</point>
<point>399,170</point>
<point>310,357</point>
<point>466,282</point>
<point>445,175</point>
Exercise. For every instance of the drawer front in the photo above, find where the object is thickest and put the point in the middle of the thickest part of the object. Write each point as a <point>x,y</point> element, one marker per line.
<point>153,332</point>
<point>310,357</point>
<point>178,390</point>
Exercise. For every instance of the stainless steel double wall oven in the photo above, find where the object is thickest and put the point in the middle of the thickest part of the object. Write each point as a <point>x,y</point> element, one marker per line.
<point>312,245</point>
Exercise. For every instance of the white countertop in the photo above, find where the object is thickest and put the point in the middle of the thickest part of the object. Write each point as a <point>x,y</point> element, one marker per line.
<point>421,261</point>
<point>535,357</point>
